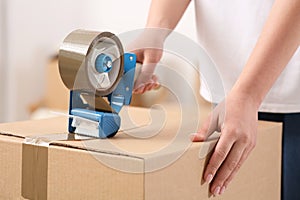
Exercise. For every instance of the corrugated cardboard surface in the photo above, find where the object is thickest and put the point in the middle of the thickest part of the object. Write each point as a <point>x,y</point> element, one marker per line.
<point>10,167</point>
<point>258,179</point>
<point>76,174</point>
<point>52,164</point>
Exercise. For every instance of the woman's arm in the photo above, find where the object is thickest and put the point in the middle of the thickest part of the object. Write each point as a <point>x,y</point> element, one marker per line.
<point>278,42</point>
<point>163,17</point>
<point>236,117</point>
<point>166,13</point>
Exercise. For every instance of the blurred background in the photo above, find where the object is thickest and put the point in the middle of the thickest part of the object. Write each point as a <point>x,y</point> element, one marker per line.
<point>31,32</point>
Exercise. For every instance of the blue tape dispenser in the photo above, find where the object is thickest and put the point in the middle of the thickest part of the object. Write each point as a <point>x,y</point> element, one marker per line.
<point>100,77</point>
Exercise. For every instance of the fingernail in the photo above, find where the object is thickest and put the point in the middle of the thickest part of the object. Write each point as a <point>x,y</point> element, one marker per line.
<point>209,178</point>
<point>217,191</point>
<point>140,89</point>
<point>222,190</point>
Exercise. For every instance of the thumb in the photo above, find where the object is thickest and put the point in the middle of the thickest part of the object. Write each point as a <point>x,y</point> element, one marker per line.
<point>145,76</point>
<point>149,65</point>
<point>208,127</point>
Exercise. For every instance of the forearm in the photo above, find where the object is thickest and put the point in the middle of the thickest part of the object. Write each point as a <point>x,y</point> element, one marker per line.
<point>277,43</point>
<point>165,15</point>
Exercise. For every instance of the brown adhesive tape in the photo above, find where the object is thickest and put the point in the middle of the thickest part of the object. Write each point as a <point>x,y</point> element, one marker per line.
<point>34,171</point>
<point>35,151</point>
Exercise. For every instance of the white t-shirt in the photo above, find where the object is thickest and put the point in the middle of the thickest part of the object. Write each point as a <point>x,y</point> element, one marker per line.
<point>228,30</point>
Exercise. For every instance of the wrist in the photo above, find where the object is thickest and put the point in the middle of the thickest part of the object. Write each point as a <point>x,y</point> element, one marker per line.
<point>157,33</point>
<point>246,96</point>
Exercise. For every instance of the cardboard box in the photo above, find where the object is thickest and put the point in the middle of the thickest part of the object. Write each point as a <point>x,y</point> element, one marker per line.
<point>150,158</point>
<point>56,95</point>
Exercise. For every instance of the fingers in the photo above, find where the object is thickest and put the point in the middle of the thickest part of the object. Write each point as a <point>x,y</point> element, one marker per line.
<point>155,82</point>
<point>143,80</point>
<point>229,155</point>
<point>209,126</point>
<point>220,153</point>
<point>139,90</point>
<point>145,87</point>
<point>141,86</point>
<point>232,175</point>
<point>231,164</point>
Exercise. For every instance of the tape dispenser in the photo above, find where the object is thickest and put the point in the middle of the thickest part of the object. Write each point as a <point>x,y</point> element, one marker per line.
<point>100,77</point>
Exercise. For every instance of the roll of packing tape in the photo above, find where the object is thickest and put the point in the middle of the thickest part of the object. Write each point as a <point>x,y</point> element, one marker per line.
<point>79,58</point>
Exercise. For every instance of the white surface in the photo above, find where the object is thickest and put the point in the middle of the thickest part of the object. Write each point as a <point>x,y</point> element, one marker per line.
<point>35,30</point>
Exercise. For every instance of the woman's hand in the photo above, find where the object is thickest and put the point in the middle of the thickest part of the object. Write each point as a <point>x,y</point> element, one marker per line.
<point>236,119</point>
<point>148,48</point>
<point>146,79</point>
